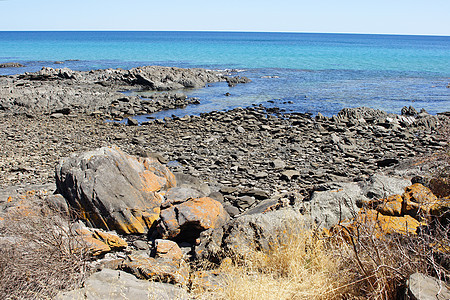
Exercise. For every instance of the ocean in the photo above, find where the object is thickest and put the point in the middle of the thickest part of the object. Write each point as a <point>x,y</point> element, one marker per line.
<point>297,72</point>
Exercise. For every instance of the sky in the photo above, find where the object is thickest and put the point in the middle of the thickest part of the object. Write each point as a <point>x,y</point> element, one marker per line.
<point>427,17</point>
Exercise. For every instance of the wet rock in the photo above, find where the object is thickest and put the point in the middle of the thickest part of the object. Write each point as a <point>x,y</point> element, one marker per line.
<point>132,122</point>
<point>113,190</point>
<point>233,81</point>
<point>11,65</point>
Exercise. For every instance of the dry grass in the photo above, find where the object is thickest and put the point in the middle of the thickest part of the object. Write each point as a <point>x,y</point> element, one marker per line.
<point>39,255</point>
<point>308,266</point>
<point>301,268</point>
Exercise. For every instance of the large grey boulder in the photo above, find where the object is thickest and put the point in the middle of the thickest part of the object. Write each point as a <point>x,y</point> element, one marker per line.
<point>259,231</point>
<point>341,200</point>
<point>112,190</point>
<point>423,287</point>
<point>382,186</point>
<point>328,208</point>
<point>114,284</point>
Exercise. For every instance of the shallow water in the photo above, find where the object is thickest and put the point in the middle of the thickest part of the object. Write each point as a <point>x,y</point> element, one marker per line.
<point>313,72</point>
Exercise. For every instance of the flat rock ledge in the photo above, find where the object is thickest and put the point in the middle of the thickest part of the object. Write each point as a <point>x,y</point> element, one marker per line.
<point>65,91</point>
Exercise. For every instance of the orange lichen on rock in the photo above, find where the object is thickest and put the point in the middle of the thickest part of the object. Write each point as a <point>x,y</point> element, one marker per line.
<point>152,182</point>
<point>131,225</point>
<point>389,224</point>
<point>95,246</point>
<point>207,211</point>
<point>418,200</point>
<point>168,249</point>
<point>380,224</point>
<point>391,206</point>
<point>112,240</point>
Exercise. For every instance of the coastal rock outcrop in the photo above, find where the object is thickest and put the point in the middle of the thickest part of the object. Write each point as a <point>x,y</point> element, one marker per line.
<point>11,65</point>
<point>98,91</point>
<point>233,81</point>
<point>340,201</point>
<point>112,190</point>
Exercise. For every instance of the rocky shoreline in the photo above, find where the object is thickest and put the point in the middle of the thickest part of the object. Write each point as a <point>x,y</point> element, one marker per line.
<point>183,190</point>
<point>237,150</point>
<point>101,92</point>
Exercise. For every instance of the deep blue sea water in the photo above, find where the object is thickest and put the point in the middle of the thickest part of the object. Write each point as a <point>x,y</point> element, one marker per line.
<point>298,72</point>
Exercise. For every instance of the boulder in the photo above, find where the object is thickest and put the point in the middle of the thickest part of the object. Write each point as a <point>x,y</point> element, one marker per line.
<point>382,186</point>
<point>340,201</point>
<point>330,207</point>
<point>258,231</point>
<point>424,287</point>
<point>98,242</point>
<point>167,249</point>
<point>112,190</point>
<point>118,285</point>
<point>141,265</point>
<point>186,220</point>
<point>391,206</point>
<point>418,200</point>
<point>233,81</point>
<point>389,224</point>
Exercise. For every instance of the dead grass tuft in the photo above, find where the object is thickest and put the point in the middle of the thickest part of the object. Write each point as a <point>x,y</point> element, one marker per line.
<point>300,268</point>
<point>39,255</point>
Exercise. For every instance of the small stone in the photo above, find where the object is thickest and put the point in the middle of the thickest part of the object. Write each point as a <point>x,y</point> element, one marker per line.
<point>56,115</point>
<point>290,174</point>
<point>132,122</point>
<point>278,164</point>
<point>424,287</point>
<point>141,245</point>
<point>260,175</point>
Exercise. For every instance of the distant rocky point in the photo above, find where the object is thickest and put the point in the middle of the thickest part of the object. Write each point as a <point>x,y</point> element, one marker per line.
<point>99,91</point>
<point>11,65</point>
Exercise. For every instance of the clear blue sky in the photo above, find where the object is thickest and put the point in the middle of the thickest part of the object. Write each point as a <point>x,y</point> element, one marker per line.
<point>355,16</point>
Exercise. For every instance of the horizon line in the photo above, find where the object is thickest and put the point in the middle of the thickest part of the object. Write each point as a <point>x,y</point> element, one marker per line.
<point>230,31</point>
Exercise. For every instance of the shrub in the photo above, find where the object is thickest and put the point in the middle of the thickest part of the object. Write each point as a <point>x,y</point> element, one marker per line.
<point>39,255</point>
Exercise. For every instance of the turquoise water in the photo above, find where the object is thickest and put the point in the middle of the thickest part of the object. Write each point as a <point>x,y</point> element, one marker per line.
<point>313,72</point>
